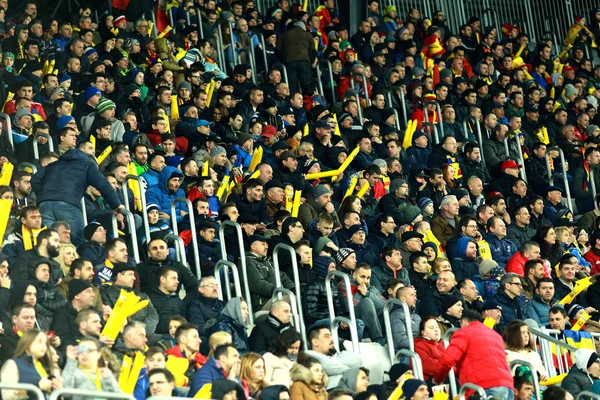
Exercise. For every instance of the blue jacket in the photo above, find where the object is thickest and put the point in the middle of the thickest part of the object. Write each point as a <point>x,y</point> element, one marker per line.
<point>537,310</point>
<point>161,196</point>
<point>141,386</point>
<point>67,179</point>
<point>210,372</point>
<point>502,250</point>
<point>511,308</point>
<point>151,177</point>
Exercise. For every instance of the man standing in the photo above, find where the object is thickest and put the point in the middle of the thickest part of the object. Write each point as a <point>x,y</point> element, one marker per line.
<point>487,369</point>
<point>297,48</point>
<point>59,198</point>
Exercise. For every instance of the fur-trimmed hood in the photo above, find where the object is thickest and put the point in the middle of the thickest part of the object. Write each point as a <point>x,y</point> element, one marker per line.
<point>299,373</point>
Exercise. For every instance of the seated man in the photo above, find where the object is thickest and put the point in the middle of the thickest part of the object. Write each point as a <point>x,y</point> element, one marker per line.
<point>132,340</point>
<point>165,299</point>
<point>81,296</point>
<point>225,364</point>
<point>206,306</point>
<point>23,320</point>
<point>188,346</point>
<point>584,373</point>
<point>265,333</point>
<point>509,297</point>
<point>537,308</point>
<point>320,343</point>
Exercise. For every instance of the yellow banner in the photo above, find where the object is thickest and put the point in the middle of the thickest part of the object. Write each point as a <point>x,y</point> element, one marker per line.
<point>135,186</point>
<point>104,154</point>
<point>580,286</point>
<point>296,204</point>
<point>6,173</point>
<point>256,158</point>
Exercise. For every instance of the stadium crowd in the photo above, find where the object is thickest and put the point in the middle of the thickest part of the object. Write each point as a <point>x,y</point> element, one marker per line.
<point>453,171</point>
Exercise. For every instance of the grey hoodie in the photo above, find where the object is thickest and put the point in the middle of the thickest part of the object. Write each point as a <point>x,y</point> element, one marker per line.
<point>348,379</point>
<point>233,309</point>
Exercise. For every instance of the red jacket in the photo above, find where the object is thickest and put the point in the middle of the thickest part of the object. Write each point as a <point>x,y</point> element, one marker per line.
<point>478,353</point>
<point>516,264</point>
<point>36,108</point>
<point>430,353</point>
<point>593,257</point>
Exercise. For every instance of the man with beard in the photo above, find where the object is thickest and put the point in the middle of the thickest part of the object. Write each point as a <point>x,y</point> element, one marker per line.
<point>81,297</point>
<point>168,189</point>
<point>48,245</point>
<point>83,269</point>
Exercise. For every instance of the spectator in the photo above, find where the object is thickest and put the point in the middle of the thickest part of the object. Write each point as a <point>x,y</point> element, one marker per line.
<point>81,296</point>
<point>93,249</point>
<point>444,285</point>
<point>445,225</point>
<point>519,346</point>
<point>225,363</point>
<point>188,347</point>
<point>584,373</point>
<point>534,271</point>
<point>271,328</point>
<point>390,266</point>
<point>539,307</point>
<point>116,252</point>
<point>80,269</point>
<point>206,306</point>
<point>233,321</point>
<point>23,320</point>
<point>502,248</point>
<point>509,297</point>
<point>309,380</point>
<point>165,299</point>
<point>398,318</point>
<point>281,357</point>
<point>252,374</point>
<point>429,346</point>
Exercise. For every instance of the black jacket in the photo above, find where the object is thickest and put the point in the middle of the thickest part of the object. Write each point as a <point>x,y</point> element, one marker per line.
<point>8,344</point>
<point>264,334</point>
<point>432,304</point>
<point>203,309</point>
<point>93,251</point>
<point>315,302</point>
<point>166,306</point>
<point>148,272</point>
<point>511,308</point>
<point>64,324</point>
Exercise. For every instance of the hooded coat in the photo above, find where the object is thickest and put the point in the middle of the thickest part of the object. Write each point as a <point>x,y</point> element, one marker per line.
<point>463,267</point>
<point>578,379</point>
<point>348,380</point>
<point>303,388</point>
<point>162,196</point>
<point>398,322</point>
<point>232,321</point>
<point>166,57</point>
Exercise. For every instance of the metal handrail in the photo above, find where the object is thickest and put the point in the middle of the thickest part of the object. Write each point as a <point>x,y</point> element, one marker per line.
<point>296,323</point>
<point>24,165</point>
<point>264,52</point>
<point>360,115</point>
<point>334,326</point>
<point>536,383</point>
<point>141,184</point>
<point>471,386</point>
<point>8,128</point>
<point>564,175</point>
<point>284,73</point>
<point>221,49</point>
<point>432,134</point>
<point>593,184</point>
<point>389,104</point>
<point>36,152</point>
<point>388,325</point>
<point>451,374</point>
<point>521,159</point>
<point>224,264</point>
<point>238,229</point>
<point>367,99</point>
<point>352,321</point>
<point>415,360</point>
<point>400,93</point>
<point>331,81</point>
<point>24,386</point>
<point>587,395</point>
<point>172,19</point>
<point>56,394</point>
<point>179,247</point>
<point>188,203</point>
<point>252,64</point>
<point>200,27</point>
<point>234,57</point>
<point>319,81</point>
<point>297,284</point>
<point>84,212</point>
<point>506,148</point>
<point>547,354</point>
<point>131,222</point>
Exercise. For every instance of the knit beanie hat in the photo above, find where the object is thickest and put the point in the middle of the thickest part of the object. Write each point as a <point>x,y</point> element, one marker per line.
<point>63,121</point>
<point>104,105</point>
<point>321,266</point>
<point>77,286</point>
<point>320,245</point>
<point>486,265</point>
<point>410,387</point>
<point>432,245</point>
<point>90,229</point>
<point>217,150</point>
<point>570,90</point>
<point>185,85</point>
<point>448,301</point>
<point>407,213</point>
<point>89,51</point>
<point>423,202</point>
<point>446,72</point>
<point>590,129</point>
<point>64,77</point>
<point>151,207</point>
<point>90,92</point>
<point>320,190</point>
<point>342,254</point>
<point>396,183</point>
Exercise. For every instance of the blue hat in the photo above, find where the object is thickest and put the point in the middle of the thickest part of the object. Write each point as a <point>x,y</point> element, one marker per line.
<point>89,51</point>
<point>63,121</point>
<point>63,77</point>
<point>90,92</point>
<point>202,122</point>
<point>424,202</point>
<point>174,161</point>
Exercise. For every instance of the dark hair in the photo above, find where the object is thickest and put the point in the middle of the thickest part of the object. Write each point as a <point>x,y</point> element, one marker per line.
<point>512,336</point>
<point>222,350</point>
<point>181,329</point>
<point>17,308</point>
<point>554,393</point>
<point>78,265</point>
<point>414,257</point>
<point>557,310</point>
<point>530,264</point>
<point>543,280</point>
<point>168,375</point>
<point>45,234</point>
<point>284,341</point>
<point>471,316</point>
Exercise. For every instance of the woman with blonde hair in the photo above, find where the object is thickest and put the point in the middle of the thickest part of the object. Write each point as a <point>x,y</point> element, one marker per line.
<point>252,374</point>
<point>67,254</point>
<point>32,363</point>
<point>217,339</point>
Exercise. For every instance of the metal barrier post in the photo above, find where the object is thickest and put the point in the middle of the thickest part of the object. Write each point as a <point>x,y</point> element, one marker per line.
<point>400,93</point>
<point>141,184</point>
<point>252,57</point>
<point>388,324</point>
<point>24,386</point>
<point>221,49</point>
<point>36,152</point>
<point>84,212</point>
<point>331,81</point>
<point>564,175</point>
<point>234,57</point>
<point>415,360</point>
<point>131,222</point>
<point>352,321</point>
<point>264,52</point>
<point>521,160</point>
<point>5,117</point>
<point>536,383</point>
<point>360,116</point>
<point>451,375</point>
<point>24,165</point>
<point>238,229</point>
<point>56,394</point>
<point>284,73</point>
<point>389,104</point>
<point>226,265</point>
<point>179,247</point>
<point>506,149</point>
<point>200,26</point>
<point>472,386</point>
<point>188,203</point>
<point>319,81</point>
<point>367,99</point>
<point>298,297</point>
<point>587,395</point>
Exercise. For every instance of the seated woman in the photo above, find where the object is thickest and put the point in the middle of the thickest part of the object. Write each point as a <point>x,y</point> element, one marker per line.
<point>82,370</point>
<point>519,346</point>
<point>252,374</point>
<point>32,363</point>
<point>281,357</point>
<point>309,379</point>
<point>233,321</point>
<point>429,346</point>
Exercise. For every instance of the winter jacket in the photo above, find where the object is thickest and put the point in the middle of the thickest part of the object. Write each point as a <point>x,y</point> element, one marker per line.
<point>117,129</point>
<point>258,208</point>
<point>262,281</point>
<point>502,249</point>
<point>166,305</point>
<point>379,241</point>
<point>148,315</point>
<point>209,253</point>
<point>162,196</point>
<point>577,381</point>
<point>471,168</point>
<point>390,204</point>
<point>74,378</point>
<point>442,229</point>
<point>266,333</point>
<point>148,273</point>
<point>399,333</point>
<point>593,257</point>
<point>201,310</point>
<point>430,352</point>
<point>210,372</point>
<point>519,236</point>
<point>151,177</point>
<point>483,368</point>
<point>302,386</point>
<point>315,302</point>
<point>537,309</point>
<point>364,253</point>
<point>432,304</point>
<point>593,295</point>
<point>68,178</point>
<point>93,251</point>
<point>277,369</point>
<point>511,308</point>
<point>167,59</point>
<point>25,263</point>
<point>232,322</point>
<point>381,273</point>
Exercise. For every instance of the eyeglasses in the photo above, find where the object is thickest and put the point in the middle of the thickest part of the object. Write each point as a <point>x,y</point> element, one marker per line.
<point>211,285</point>
<point>516,283</point>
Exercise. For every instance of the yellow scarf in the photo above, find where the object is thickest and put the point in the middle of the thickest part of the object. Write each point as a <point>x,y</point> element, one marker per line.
<point>96,380</point>
<point>30,237</point>
<point>40,369</point>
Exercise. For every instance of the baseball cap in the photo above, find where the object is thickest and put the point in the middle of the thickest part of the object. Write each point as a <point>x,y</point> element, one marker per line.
<point>510,164</point>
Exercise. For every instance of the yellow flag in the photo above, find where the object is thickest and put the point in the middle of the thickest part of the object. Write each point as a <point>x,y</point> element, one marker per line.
<point>337,126</point>
<point>174,107</point>
<point>580,286</point>
<point>6,173</point>
<point>209,92</point>
<point>135,186</point>
<point>289,199</point>
<point>104,154</point>
<point>351,187</point>
<point>408,134</point>
<point>223,187</point>
<point>256,158</point>
<point>205,392</point>
<point>305,6</point>
<point>349,159</point>
<point>305,130</point>
<point>296,204</point>
<point>489,322</point>
<point>5,207</point>
<point>130,372</point>
<point>163,33</point>
<point>178,367</point>
<point>323,174</point>
<point>205,169</point>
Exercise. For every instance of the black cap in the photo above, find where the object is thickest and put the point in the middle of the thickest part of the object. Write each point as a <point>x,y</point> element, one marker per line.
<point>553,188</point>
<point>532,108</point>
<point>280,145</point>
<point>77,286</point>
<point>491,304</point>
<point>274,184</point>
<point>565,222</point>
<point>397,371</point>
<point>323,124</point>
<point>256,238</point>
<point>285,110</point>
<point>411,235</point>
<point>121,267</point>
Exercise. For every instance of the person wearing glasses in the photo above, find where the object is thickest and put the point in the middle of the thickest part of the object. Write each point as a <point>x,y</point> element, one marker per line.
<point>206,306</point>
<point>509,297</point>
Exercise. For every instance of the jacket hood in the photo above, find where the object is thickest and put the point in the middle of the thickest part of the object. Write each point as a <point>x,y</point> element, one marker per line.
<point>582,356</point>
<point>221,387</point>
<point>233,310</point>
<point>272,392</point>
<point>348,379</point>
<point>17,292</point>
<point>74,155</point>
<point>299,373</point>
<point>161,46</point>
<point>166,174</point>
<point>461,246</point>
